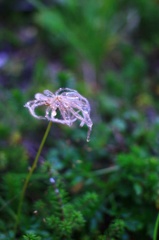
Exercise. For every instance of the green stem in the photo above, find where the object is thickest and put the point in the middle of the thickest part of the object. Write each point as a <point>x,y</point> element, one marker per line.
<point>106,170</point>
<point>29,176</point>
<point>156,228</point>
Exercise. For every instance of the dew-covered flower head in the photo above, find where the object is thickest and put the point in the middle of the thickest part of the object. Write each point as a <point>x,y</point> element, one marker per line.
<point>65,106</point>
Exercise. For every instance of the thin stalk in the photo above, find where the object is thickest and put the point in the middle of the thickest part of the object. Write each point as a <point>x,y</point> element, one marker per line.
<point>156,228</point>
<point>29,176</point>
<point>106,170</point>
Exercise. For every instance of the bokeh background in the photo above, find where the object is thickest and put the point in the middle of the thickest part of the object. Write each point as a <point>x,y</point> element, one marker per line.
<point>108,50</point>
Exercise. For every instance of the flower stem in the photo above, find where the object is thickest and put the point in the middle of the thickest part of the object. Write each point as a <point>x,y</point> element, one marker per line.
<point>29,176</point>
<point>156,228</point>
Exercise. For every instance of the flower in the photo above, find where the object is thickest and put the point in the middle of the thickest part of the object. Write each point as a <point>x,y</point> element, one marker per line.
<point>65,106</point>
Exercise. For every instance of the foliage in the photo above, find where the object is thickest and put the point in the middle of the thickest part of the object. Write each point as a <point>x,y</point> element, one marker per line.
<point>106,189</point>
<point>115,230</point>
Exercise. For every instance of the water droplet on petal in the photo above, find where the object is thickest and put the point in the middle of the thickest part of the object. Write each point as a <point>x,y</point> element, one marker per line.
<point>89,133</point>
<point>53,114</point>
<point>39,96</point>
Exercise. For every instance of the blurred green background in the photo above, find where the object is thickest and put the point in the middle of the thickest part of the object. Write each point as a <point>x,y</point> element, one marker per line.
<point>108,50</point>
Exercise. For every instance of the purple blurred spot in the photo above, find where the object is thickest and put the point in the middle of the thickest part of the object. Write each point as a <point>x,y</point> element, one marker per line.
<point>3,58</point>
<point>52,180</point>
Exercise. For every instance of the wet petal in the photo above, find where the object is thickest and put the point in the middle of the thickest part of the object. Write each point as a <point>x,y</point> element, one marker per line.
<point>65,106</point>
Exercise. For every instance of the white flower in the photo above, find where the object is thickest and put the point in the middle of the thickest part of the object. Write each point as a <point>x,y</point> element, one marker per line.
<point>65,106</point>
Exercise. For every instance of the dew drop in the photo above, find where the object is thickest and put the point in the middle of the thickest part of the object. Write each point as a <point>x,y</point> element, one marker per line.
<point>39,96</point>
<point>53,114</point>
<point>89,133</point>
